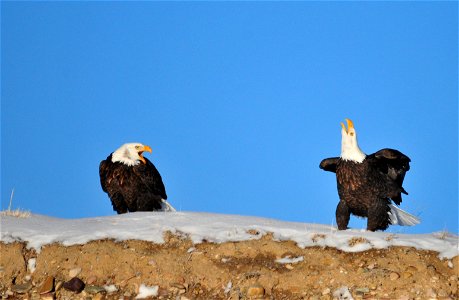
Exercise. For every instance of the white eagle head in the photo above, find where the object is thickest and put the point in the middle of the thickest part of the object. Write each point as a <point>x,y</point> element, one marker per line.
<point>349,147</point>
<point>130,154</point>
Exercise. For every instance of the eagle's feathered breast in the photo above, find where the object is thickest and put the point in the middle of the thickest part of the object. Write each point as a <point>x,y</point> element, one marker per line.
<point>360,185</point>
<point>352,185</point>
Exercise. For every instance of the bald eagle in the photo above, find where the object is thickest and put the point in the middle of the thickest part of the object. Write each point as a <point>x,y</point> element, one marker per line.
<point>368,184</point>
<point>131,181</point>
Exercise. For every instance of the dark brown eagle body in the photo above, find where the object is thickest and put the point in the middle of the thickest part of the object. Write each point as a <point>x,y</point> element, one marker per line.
<point>131,188</point>
<point>365,189</point>
<point>367,185</point>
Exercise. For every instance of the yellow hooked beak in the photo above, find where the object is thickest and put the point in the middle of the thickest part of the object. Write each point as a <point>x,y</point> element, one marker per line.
<point>349,125</point>
<point>145,148</point>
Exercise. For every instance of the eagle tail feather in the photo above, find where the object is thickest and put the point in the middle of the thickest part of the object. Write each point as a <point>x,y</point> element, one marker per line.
<point>400,217</point>
<point>165,206</point>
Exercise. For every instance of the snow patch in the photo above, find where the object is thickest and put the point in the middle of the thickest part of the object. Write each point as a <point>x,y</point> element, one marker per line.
<point>31,264</point>
<point>147,291</point>
<point>110,288</point>
<point>38,231</point>
<point>343,294</point>
<point>228,287</point>
<point>290,260</point>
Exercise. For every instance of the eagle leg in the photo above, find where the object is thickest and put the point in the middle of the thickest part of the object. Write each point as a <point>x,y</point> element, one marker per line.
<point>378,216</point>
<point>343,214</point>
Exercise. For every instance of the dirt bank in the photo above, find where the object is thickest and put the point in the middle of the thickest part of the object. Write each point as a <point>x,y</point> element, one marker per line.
<point>230,270</point>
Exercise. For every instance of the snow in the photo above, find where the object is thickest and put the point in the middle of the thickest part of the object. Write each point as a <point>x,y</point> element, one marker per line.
<point>228,287</point>
<point>38,231</point>
<point>110,288</point>
<point>343,294</point>
<point>31,264</point>
<point>147,291</point>
<point>290,260</point>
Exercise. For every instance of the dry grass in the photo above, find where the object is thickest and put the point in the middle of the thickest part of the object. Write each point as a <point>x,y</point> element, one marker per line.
<point>17,213</point>
<point>357,240</point>
<point>442,235</point>
<point>318,236</point>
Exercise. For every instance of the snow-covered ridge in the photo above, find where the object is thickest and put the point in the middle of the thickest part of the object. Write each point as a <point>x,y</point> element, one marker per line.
<point>38,230</point>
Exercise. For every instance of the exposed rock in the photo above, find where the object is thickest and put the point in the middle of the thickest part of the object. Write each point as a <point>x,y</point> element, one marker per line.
<point>432,268</point>
<point>411,269</point>
<point>94,289</point>
<point>47,286</point>
<point>362,290</point>
<point>58,285</point>
<point>91,279</point>
<point>21,288</point>
<point>406,275</point>
<point>47,296</point>
<point>75,285</point>
<point>74,272</point>
<point>394,276</point>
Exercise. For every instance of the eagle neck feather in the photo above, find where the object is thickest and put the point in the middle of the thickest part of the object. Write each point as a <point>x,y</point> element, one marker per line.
<point>354,155</point>
<point>122,156</point>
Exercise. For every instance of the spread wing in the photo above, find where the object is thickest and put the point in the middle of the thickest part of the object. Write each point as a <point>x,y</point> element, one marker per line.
<point>329,164</point>
<point>394,164</point>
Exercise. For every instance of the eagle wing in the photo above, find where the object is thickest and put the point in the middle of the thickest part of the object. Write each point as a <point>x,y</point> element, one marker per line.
<point>103,171</point>
<point>151,178</point>
<point>329,164</point>
<point>113,179</point>
<point>110,172</point>
<point>394,164</point>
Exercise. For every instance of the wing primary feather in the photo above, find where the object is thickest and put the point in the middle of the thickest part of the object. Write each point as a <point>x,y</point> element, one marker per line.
<point>329,164</point>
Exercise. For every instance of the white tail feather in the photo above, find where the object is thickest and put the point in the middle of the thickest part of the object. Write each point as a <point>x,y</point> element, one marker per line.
<point>165,206</point>
<point>400,217</point>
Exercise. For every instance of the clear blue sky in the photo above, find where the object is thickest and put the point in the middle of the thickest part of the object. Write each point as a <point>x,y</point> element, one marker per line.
<point>239,101</point>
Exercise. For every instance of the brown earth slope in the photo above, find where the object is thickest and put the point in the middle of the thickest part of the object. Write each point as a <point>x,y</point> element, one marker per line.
<point>242,270</point>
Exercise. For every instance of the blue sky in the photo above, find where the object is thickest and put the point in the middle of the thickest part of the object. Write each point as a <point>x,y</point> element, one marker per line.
<point>239,101</point>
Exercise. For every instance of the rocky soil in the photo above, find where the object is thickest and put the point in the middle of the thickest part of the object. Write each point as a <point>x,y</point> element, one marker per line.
<point>178,269</point>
